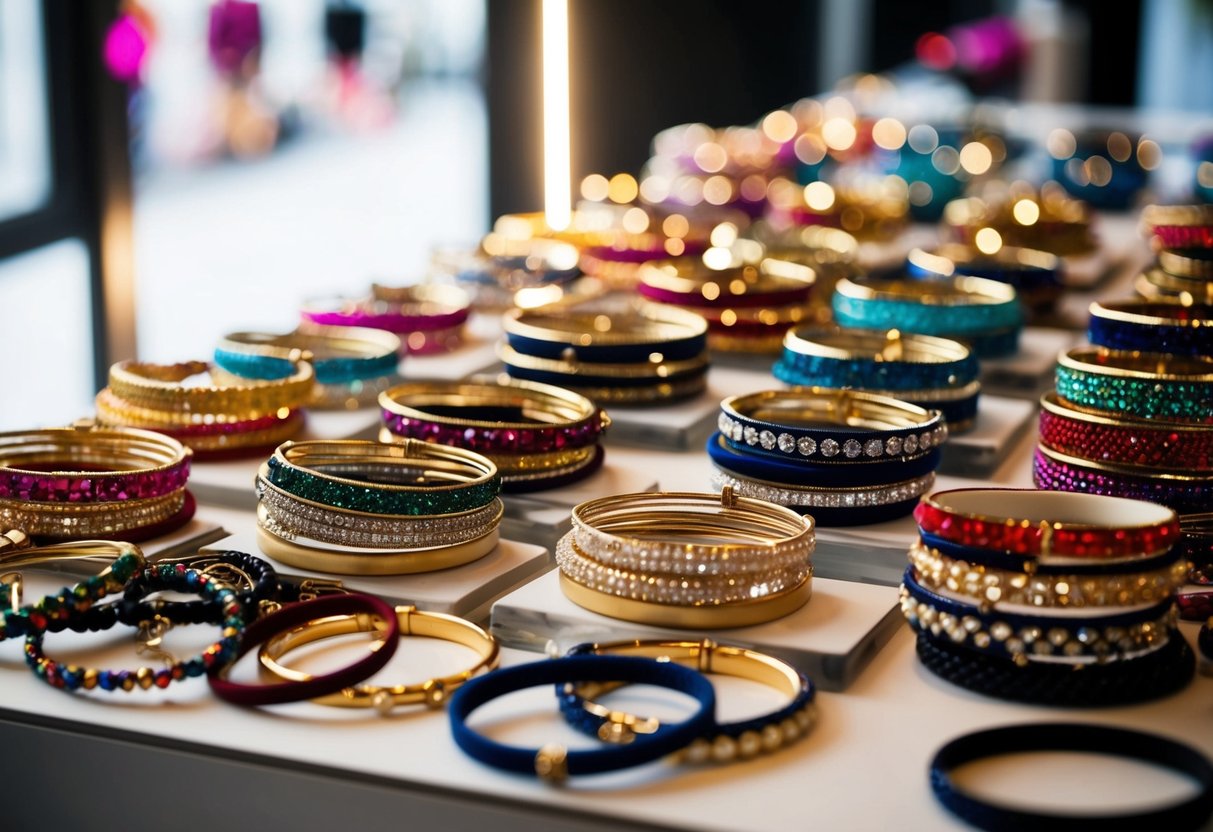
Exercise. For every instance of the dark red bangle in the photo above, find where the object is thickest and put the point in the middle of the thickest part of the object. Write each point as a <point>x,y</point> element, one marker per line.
<point>1153,445</point>
<point>1044,525</point>
<point>293,615</point>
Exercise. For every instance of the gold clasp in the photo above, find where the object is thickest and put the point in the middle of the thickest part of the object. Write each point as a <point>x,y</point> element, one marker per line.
<point>620,728</point>
<point>705,651</point>
<point>728,497</point>
<point>151,639</point>
<point>310,588</point>
<point>552,764</point>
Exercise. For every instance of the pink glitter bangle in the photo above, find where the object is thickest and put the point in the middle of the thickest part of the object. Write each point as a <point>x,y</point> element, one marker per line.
<point>1058,472</point>
<point>1185,236</point>
<point>425,309</point>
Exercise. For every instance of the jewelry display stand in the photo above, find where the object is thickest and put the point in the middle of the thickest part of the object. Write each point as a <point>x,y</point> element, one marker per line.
<point>467,591</point>
<point>1029,372</point>
<point>830,639</point>
<point>1001,423</point>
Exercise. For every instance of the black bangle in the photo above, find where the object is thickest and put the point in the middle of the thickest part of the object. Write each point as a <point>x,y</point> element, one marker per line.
<point>253,579</point>
<point>1154,675</point>
<point>1192,813</point>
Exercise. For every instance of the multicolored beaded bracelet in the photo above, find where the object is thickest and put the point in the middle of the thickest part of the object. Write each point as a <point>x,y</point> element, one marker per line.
<point>1059,472</point>
<point>1152,446</point>
<point>730,741</point>
<point>1041,524</point>
<point>155,578</point>
<point>1141,385</point>
<point>1150,326</point>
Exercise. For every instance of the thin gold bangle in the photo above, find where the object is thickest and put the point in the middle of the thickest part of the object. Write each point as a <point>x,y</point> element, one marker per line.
<point>512,464</point>
<point>1155,284</point>
<point>726,342</point>
<point>640,369</point>
<point>689,276</point>
<point>432,693</point>
<point>119,451</point>
<point>961,291</point>
<point>807,406</point>
<point>1126,311</point>
<point>423,299</point>
<point>1176,215</point>
<point>540,405</point>
<point>160,387</point>
<point>1179,265</point>
<point>455,468</point>
<point>891,345</point>
<point>648,394</point>
<point>310,342</point>
<point>388,563</point>
<point>585,329</point>
<point>92,552</point>
<point>1191,369</point>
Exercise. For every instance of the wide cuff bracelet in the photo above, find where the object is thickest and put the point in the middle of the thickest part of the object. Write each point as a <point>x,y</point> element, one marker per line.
<point>1147,326</point>
<point>1060,472</point>
<point>1143,385</point>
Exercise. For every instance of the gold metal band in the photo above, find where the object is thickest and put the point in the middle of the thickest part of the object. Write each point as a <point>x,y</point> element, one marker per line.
<point>1128,311</point>
<point>811,406</point>
<point>432,693</point>
<point>65,556</point>
<point>691,276</point>
<point>116,451</point>
<point>647,394</point>
<point>956,291</point>
<point>435,467</point>
<point>424,299</point>
<point>310,342</point>
<point>1172,215</point>
<point>1155,284</point>
<point>160,387</point>
<point>584,329</point>
<point>943,259</point>
<point>1179,265</point>
<point>1139,365</point>
<point>538,405</point>
<point>646,369</point>
<point>881,345</point>
<point>527,462</point>
<point>406,562</point>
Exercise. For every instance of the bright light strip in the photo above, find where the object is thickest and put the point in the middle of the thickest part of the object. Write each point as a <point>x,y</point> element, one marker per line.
<point>557,161</point>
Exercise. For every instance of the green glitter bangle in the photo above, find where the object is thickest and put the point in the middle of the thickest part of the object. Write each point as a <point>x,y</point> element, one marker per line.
<point>409,477</point>
<point>1139,385</point>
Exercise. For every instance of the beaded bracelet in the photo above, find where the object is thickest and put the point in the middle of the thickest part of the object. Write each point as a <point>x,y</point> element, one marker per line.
<point>1188,813</point>
<point>1054,471</point>
<point>432,693</point>
<point>554,763</point>
<point>1036,275</point>
<point>589,338</point>
<point>1148,326</point>
<point>1042,524</point>
<point>155,578</point>
<point>160,387</point>
<point>1142,385</point>
<point>254,581</point>
<point>1179,226</point>
<point>742,739</point>
<point>1025,638</point>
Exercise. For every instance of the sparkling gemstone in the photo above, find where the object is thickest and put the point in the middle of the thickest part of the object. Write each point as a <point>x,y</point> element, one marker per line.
<point>893,446</point>
<point>767,440</point>
<point>787,443</point>
<point>852,448</point>
<point>873,448</point>
<point>829,448</point>
<point>924,440</point>
<point>910,443</point>
<point>751,435</point>
<point>806,446</point>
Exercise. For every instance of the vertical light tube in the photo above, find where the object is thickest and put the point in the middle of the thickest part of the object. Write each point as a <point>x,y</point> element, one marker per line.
<point>557,159</point>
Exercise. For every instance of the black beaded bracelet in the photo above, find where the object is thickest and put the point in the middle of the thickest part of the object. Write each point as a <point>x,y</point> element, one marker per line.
<point>1191,813</point>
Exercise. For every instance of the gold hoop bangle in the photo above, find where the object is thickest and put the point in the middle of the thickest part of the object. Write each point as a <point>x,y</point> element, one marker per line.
<point>574,369</point>
<point>159,387</point>
<point>1180,265</point>
<point>588,329</point>
<point>875,344</point>
<point>315,342</point>
<point>810,406</point>
<point>1192,369</point>
<point>118,452</point>
<point>693,278</point>
<point>657,393</point>
<point>538,405</point>
<point>423,299</point>
<point>1153,216</point>
<point>432,693</point>
<point>1155,284</point>
<point>93,552</point>
<point>407,562</point>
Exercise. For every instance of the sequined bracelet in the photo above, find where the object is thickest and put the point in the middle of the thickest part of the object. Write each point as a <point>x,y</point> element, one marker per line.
<point>1179,226</point>
<point>155,578</point>
<point>86,465</point>
<point>432,693</point>
<point>966,573</point>
<point>440,479</point>
<point>1146,326</point>
<point>658,335</point>
<point>729,741</point>
<point>1153,446</point>
<point>1036,275</point>
<point>1024,638</point>
<point>161,387</point>
<point>834,506</point>
<point>553,763</point>
<point>1040,524</point>
<point>959,306</point>
<point>1194,264</point>
<point>1054,471</point>
<point>1142,385</point>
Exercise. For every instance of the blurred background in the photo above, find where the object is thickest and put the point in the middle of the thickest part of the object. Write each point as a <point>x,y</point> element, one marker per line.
<point>172,170</point>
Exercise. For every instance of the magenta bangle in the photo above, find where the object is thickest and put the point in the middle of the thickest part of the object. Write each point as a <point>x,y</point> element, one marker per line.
<point>1184,236</point>
<point>1052,471</point>
<point>395,321</point>
<point>496,440</point>
<point>87,487</point>
<point>186,432</point>
<point>642,254</point>
<point>784,297</point>
<point>294,615</point>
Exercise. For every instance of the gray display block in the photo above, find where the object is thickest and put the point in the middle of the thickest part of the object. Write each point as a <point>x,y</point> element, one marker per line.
<point>1000,425</point>
<point>1030,371</point>
<point>189,538</point>
<point>467,591</point>
<point>831,638</point>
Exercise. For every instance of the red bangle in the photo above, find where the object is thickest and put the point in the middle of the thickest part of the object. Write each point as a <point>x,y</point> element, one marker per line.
<point>1152,445</point>
<point>1048,523</point>
<point>293,615</point>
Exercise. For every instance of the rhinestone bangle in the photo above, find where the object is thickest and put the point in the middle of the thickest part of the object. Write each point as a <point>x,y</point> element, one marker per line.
<point>1142,385</point>
<point>958,306</point>
<point>83,520</point>
<point>1150,446</point>
<point>842,498</point>
<point>161,387</point>
<point>1043,524</point>
<point>1060,472</point>
<point>1150,326</point>
<point>339,355</point>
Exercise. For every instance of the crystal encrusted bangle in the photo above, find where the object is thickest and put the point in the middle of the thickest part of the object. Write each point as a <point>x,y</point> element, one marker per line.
<point>833,498</point>
<point>1151,326</point>
<point>84,520</point>
<point>1054,471</point>
<point>962,306</point>
<point>1141,385</point>
<point>339,355</point>
<point>868,359</point>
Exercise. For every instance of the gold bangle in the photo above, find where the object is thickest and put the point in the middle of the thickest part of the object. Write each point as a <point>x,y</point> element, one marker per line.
<point>1062,226</point>
<point>652,325</point>
<point>1175,283</point>
<point>989,586</point>
<point>1161,477</point>
<point>1179,265</point>
<point>1153,216</point>
<point>160,387</point>
<point>537,405</point>
<point>640,369</point>
<point>438,468</point>
<point>1191,369</point>
<point>964,291</point>
<point>1128,311</point>
<point>881,345</point>
<point>943,260</point>
<point>510,465</point>
<point>196,431</point>
<point>110,453</point>
<point>315,342</point>
<point>659,393</point>
<point>387,563</point>
<point>425,299</point>
<point>92,552</point>
<point>692,277</point>
<point>725,342</point>
<point>53,519</point>
<point>1155,284</point>
<point>725,616</point>
<point>432,693</point>
<point>812,406</point>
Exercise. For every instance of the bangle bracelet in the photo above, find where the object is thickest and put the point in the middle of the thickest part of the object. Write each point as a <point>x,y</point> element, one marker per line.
<point>963,574</point>
<point>432,693</point>
<point>1034,274</point>
<point>160,387</point>
<point>372,614</point>
<point>859,425</point>
<point>90,465</point>
<point>1147,326</point>
<point>367,562</point>
<point>1142,385</point>
<point>866,473</point>
<point>85,520</point>
<point>962,306</point>
<point>554,763</point>
<point>1179,226</point>
<point>668,333</point>
<point>427,318</point>
<point>834,506</point>
<point>1173,288</point>
<point>1148,446</point>
<point>578,373</point>
<point>1193,263</point>
<point>156,577</point>
<point>338,355</point>
<point>730,740</point>
<point>1042,524</point>
<point>620,391</point>
<point>689,282</point>
<point>1196,545</point>
<point>444,479</point>
<point>877,359</point>
<point>1062,227</point>
<point>1189,813</point>
<point>202,428</point>
<point>1054,471</point>
<point>1024,638</point>
<point>533,471</point>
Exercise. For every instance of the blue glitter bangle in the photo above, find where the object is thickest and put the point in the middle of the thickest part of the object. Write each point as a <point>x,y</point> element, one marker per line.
<point>959,306</point>
<point>339,355</point>
<point>1151,326</point>
<point>1141,385</point>
<point>554,763</point>
<point>868,359</point>
<point>732,740</point>
<point>780,470</point>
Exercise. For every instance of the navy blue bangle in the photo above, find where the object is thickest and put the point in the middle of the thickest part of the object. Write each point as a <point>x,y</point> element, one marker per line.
<point>1028,270</point>
<point>1152,326</point>
<point>778,469</point>
<point>676,335</point>
<point>878,359</point>
<point>554,763</point>
<point>1191,813</point>
<point>1043,566</point>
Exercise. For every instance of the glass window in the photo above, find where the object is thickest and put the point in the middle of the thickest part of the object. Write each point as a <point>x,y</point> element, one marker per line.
<point>24,160</point>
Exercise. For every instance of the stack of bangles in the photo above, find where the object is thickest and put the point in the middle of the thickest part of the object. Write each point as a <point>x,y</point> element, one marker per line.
<point>91,482</point>
<point>748,307</point>
<point>1130,424</point>
<point>1183,235</point>
<point>983,313</point>
<point>538,436</point>
<point>1036,275</point>
<point>428,318</point>
<point>628,357</point>
<point>933,373</point>
<point>363,508</point>
<point>1057,599</point>
<point>353,365</point>
<point>502,267</point>
<point>229,417</point>
<point>687,560</point>
<point>1061,225</point>
<point>845,457</point>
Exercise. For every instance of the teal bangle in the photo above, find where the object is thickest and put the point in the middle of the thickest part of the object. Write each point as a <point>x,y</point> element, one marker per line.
<point>959,306</point>
<point>408,477</point>
<point>339,355</point>
<point>1138,385</point>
